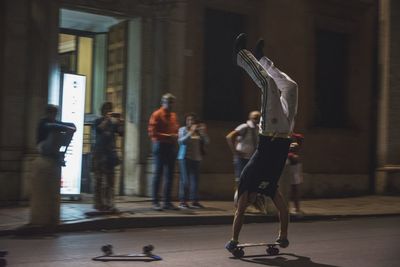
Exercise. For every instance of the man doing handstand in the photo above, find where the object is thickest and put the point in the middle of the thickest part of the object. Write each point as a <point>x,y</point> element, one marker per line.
<point>278,109</point>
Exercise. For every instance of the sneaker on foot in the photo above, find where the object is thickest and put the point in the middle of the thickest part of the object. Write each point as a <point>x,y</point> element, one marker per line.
<point>239,44</point>
<point>196,205</point>
<point>183,206</point>
<point>169,206</point>
<point>110,209</point>
<point>113,210</point>
<point>157,207</point>
<point>231,245</point>
<point>297,213</point>
<point>283,242</point>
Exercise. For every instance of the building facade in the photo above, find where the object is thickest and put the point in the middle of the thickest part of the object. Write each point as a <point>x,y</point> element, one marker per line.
<point>343,54</point>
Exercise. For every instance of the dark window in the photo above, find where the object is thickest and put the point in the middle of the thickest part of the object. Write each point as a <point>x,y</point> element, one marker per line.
<point>222,80</point>
<point>68,62</point>
<point>331,79</point>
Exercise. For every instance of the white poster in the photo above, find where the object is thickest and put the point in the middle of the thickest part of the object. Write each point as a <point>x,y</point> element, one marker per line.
<point>73,110</point>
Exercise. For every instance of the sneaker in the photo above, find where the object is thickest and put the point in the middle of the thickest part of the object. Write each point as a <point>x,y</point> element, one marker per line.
<point>157,207</point>
<point>282,242</point>
<point>110,209</point>
<point>240,43</point>
<point>297,213</point>
<point>231,245</point>
<point>114,210</point>
<point>196,205</point>
<point>169,206</point>
<point>258,49</point>
<point>183,206</point>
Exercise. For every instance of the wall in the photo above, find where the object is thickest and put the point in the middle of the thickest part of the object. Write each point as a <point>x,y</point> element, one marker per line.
<point>336,162</point>
<point>340,159</point>
<point>29,71</point>
<point>288,28</point>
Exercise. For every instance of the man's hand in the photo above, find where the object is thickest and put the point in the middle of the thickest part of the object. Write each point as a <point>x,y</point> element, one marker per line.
<point>170,136</point>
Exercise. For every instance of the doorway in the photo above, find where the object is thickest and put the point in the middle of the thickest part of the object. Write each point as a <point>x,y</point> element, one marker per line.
<point>98,47</point>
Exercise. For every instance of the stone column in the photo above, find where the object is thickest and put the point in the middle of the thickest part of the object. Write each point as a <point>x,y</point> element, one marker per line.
<point>13,99</point>
<point>45,192</point>
<point>44,78</point>
<point>388,165</point>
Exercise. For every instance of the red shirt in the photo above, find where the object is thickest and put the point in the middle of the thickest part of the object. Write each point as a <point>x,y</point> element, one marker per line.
<point>163,122</point>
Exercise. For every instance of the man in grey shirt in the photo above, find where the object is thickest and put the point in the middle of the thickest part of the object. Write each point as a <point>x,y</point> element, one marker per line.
<point>243,141</point>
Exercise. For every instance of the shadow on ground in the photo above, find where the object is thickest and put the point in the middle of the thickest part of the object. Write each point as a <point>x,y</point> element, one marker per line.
<point>284,260</point>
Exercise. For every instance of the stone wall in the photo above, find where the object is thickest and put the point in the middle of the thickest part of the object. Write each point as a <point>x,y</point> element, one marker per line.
<point>388,152</point>
<point>336,161</point>
<point>14,59</point>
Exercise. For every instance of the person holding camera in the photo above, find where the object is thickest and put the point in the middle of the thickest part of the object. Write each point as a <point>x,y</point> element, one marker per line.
<point>191,138</point>
<point>105,157</point>
<point>53,138</point>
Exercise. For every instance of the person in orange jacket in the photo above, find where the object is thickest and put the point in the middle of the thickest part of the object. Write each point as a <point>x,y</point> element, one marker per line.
<point>163,130</point>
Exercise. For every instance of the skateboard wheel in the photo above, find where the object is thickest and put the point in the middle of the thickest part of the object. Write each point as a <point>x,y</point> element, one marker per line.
<point>147,249</point>
<point>107,249</point>
<point>238,253</point>
<point>272,251</point>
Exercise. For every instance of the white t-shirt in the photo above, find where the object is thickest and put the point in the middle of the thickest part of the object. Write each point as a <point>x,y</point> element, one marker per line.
<point>248,138</point>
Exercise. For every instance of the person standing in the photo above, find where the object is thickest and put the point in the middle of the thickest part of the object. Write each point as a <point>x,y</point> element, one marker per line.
<point>105,157</point>
<point>278,109</point>
<point>53,137</point>
<point>243,141</point>
<point>163,130</point>
<point>191,138</point>
<point>295,170</point>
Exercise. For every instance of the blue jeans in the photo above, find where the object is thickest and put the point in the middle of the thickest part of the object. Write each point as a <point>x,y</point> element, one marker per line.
<point>189,179</point>
<point>164,156</point>
<point>239,164</point>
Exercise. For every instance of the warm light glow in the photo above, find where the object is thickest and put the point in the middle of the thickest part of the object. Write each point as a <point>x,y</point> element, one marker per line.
<point>73,110</point>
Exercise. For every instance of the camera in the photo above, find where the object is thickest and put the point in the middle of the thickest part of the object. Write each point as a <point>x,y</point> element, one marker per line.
<point>115,115</point>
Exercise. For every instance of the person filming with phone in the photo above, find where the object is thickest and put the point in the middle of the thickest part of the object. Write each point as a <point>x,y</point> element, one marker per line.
<point>105,157</point>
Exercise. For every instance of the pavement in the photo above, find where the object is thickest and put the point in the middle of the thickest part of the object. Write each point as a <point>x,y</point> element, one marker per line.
<point>136,212</point>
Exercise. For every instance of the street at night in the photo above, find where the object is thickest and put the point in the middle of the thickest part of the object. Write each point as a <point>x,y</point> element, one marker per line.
<point>359,242</point>
<point>148,127</point>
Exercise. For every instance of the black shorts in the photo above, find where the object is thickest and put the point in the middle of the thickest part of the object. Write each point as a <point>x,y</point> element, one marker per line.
<point>262,172</point>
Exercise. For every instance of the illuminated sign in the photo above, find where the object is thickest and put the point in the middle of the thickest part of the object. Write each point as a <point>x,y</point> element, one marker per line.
<point>73,110</point>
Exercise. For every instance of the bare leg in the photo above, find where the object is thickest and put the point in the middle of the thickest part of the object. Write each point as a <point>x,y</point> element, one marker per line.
<point>243,202</point>
<point>283,214</point>
<point>239,216</point>
<point>295,197</point>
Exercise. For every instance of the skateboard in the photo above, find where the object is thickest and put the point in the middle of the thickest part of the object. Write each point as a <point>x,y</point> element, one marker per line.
<point>109,255</point>
<point>272,248</point>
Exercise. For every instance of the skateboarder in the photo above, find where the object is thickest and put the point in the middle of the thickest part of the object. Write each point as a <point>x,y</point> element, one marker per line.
<point>278,109</point>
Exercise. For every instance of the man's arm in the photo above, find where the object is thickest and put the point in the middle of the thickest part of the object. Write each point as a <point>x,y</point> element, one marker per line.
<point>151,129</point>
<point>184,135</point>
<point>231,139</point>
